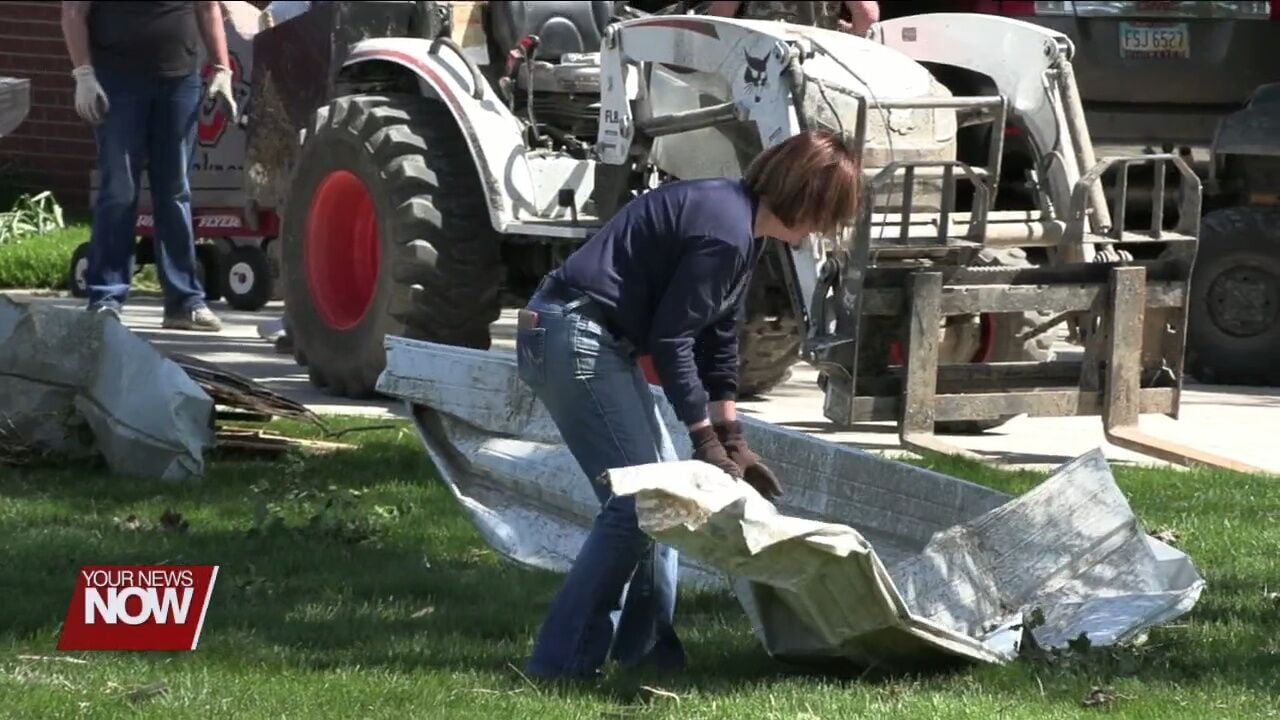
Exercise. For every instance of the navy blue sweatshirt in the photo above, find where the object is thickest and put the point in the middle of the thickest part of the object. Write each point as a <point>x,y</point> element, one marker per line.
<point>670,272</point>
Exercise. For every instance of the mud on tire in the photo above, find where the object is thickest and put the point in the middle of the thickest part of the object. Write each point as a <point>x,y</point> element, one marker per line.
<point>386,232</point>
<point>770,339</point>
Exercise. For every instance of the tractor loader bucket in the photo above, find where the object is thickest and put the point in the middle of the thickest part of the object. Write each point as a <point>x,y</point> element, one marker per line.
<point>864,559</point>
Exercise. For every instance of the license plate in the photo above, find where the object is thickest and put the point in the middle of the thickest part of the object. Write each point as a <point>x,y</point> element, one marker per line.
<point>1154,40</point>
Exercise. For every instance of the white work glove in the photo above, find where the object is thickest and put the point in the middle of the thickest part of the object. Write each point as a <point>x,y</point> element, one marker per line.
<point>220,90</point>
<point>91,99</point>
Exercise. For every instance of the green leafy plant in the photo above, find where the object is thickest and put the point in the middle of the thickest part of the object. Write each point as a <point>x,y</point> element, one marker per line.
<point>31,215</point>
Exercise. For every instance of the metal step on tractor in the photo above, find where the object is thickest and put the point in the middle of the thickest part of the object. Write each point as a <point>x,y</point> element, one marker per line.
<point>453,153</point>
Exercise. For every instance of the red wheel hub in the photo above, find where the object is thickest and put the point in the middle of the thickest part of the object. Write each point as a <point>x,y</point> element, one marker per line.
<point>987,328</point>
<point>342,250</point>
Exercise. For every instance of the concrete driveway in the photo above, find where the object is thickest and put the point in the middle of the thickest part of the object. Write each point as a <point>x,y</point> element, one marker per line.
<point>1240,423</point>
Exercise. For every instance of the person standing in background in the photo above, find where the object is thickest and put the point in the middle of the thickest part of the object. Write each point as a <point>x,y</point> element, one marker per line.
<point>138,83</point>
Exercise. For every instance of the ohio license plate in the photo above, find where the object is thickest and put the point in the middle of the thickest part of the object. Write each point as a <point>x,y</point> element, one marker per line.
<point>1154,40</point>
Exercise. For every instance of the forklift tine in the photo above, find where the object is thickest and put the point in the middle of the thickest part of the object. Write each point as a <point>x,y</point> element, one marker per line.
<point>1132,438</point>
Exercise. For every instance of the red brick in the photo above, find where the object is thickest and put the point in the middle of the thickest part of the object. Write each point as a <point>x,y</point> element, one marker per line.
<point>27,29</point>
<point>20,143</point>
<point>55,114</point>
<point>72,148</point>
<point>55,130</point>
<point>77,130</point>
<point>23,65</point>
<point>32,43</point>
<point>40,113</point>
<point>48,11</point>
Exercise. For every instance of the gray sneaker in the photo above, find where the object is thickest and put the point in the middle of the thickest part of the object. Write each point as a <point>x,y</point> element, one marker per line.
<point>111,310</point>
<point>201,318</point>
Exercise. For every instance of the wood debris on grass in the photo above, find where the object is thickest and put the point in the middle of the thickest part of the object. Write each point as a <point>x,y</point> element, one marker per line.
<point>14,450</point>
<point>242,394</point>
<point>172,521</point>
<point>653,692</point>
<point>527,681</point>
<point>235,397</point>
<point>130,522</point>
<point>15,454</point>
<point>242,398</point>
<point>146,692</point>
<point>1101,697</point>
<point>54,658</point>
<point>268,444</point>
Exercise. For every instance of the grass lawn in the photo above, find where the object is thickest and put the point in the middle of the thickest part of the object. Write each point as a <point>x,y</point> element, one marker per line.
<point>41,261</point>
<point>352,586</point>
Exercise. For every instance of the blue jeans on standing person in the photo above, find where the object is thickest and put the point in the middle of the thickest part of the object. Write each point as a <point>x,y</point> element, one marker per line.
<point>151,122</point>
<point>608,417</point>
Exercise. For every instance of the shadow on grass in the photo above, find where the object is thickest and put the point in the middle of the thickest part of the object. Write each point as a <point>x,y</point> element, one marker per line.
<point>362,559</point>
<point>358,559</point>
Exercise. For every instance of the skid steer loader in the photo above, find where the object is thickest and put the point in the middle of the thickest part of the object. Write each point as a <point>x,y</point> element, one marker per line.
<point>429,179</point>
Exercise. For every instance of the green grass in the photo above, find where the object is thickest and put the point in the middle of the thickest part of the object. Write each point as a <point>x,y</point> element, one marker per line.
<point>40,261</point>
<point>388,604</point>
<point>43,262</point>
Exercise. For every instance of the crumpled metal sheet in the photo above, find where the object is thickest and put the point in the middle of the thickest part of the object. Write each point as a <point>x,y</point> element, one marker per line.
<point>901,565</point>
<point>15,103</point>
<point>79,383</point>
<point>1070,548</point>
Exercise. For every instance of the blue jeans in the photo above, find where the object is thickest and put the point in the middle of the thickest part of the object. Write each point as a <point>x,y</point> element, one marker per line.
<point>608,418</point>
<point>151,121</point>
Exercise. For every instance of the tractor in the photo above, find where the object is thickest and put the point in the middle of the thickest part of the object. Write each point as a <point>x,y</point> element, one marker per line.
<point>352,274</point>
<point>434,160</point>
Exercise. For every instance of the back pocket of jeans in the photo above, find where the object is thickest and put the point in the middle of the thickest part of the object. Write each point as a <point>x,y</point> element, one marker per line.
<point>531,354</point>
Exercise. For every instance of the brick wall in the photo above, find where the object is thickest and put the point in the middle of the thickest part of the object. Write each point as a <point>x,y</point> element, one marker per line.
<point>53,149</point>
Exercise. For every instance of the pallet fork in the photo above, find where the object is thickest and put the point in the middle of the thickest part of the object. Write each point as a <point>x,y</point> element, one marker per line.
<point>1132,313</point>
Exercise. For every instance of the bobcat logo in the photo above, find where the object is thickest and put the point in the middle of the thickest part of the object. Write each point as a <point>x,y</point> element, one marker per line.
<point>756,75</point>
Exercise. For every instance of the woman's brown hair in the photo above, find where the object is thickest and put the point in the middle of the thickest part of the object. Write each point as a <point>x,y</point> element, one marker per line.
<point>811,178</point>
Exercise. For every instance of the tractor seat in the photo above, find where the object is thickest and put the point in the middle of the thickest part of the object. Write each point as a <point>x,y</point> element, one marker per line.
<point>563,28</point>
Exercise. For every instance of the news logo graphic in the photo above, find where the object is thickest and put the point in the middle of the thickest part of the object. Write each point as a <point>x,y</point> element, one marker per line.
<point>138,607</point>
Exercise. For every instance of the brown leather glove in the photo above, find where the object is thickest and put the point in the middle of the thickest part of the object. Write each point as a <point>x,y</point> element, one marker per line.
<point>755,473</point>
<point>707,448</point>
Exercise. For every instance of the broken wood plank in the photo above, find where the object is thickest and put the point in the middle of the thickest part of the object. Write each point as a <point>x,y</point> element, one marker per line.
<point>261,442</point>
<point>236,392</point>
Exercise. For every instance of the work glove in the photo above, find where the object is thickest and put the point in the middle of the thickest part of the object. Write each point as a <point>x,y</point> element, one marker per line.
<point>707,448</point>
<point>91,99</point>
<point>755,473</point>
<point>220,90</point>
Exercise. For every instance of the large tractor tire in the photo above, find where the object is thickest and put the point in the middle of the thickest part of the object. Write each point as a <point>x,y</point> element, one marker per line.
<point>386,233</point>
<point>1233,325</point>
<point>769,342</point>
<point>991,338</point>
